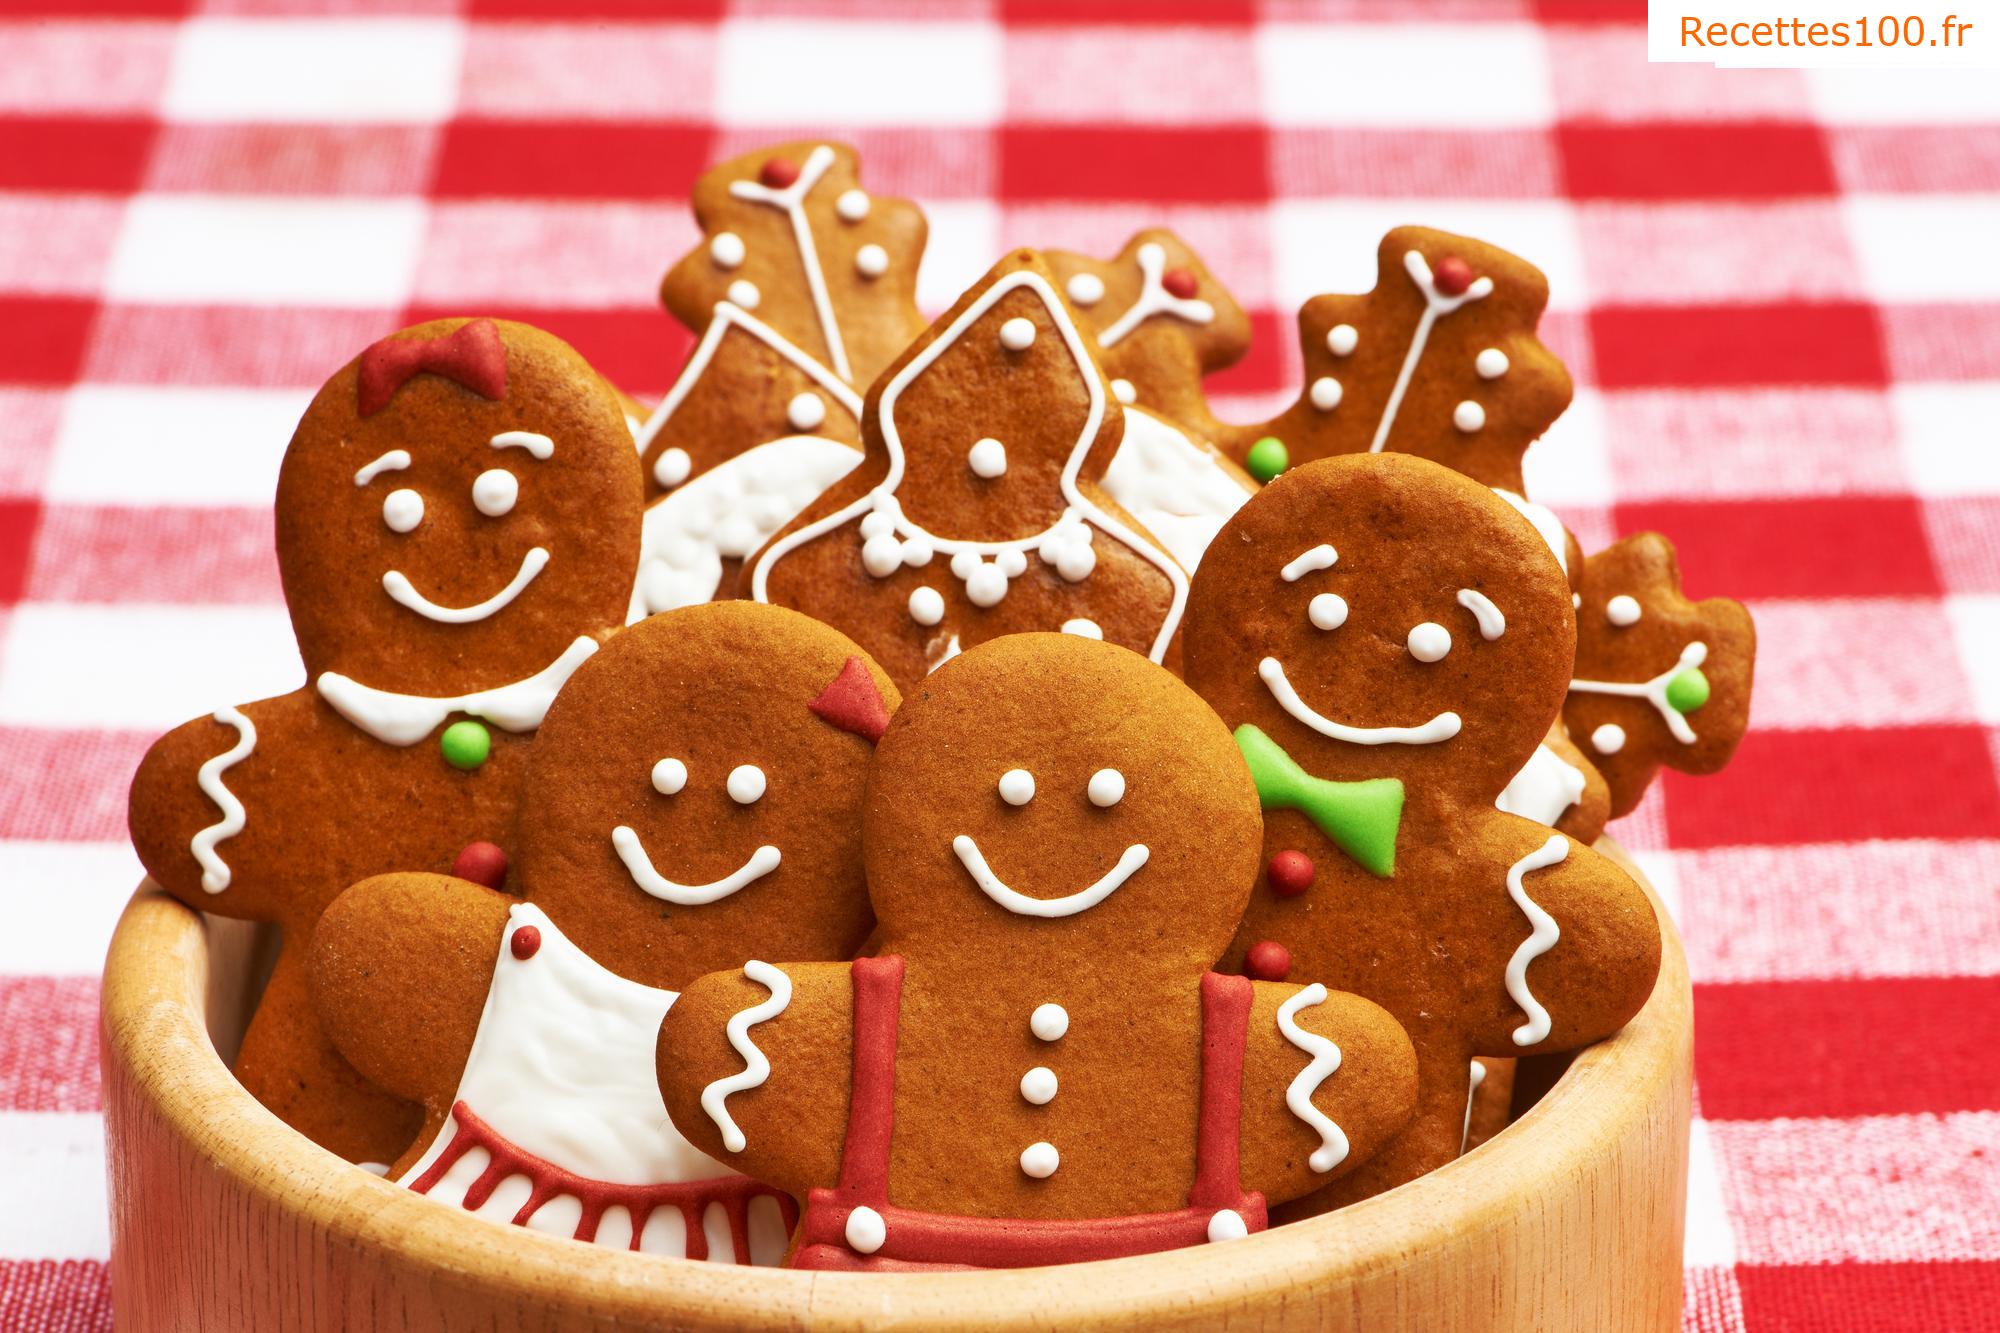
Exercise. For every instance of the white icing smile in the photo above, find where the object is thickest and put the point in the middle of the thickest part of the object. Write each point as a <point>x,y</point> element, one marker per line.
<point>404,593</point>
<point>1440,728</point>
<point>1021,904</point>
<point>640,866</point>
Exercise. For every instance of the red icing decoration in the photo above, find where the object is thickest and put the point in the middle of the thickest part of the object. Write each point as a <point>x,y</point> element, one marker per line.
<point>1268,960</point>
<point>919,1241</point>
<point>1179,282</point>
<point>1452,275</point>
<point>692,1197</point>
<point>526,941</point>
<point>852,703</point>
<point>1290,873</point>
<point>482,863</point>
<point>471,356</point>
<point>778,172</point>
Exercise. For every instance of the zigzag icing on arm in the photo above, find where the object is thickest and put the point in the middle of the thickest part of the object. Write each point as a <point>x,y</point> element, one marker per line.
<point>1332,1150</point>
<point>756,1068</point>
<point>1553,852</point>
<point>214,870</point>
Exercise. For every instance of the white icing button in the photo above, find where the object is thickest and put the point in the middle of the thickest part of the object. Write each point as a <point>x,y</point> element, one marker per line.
<point>726,249</point>
<point>1429,642</point>
<point>1049,1022</point>
<point>871,261</point>
<point>1468,416</point>
<point>1083,629</point>
<point>987,458</point>
<point>1327,611</point>
<point>1123,391</point>
<point>882,555</point>
<point>494,492</point>
<point>865,1230</point>
<point>402,509</point>
<point>1038,1085</point>
<point>671,468</point>
<point>1342,339</point>
<point>1017,334</point>
<point>1227,1225</point>
<point>1040,1160</point>
<point>1017,787</point>
<point>1622,610</point>
<point>746,783</point>
<point>927,606</point>
<point>1086,289</point>
<point>1107,788</point>
<point>852,205</point>
<point>986,586</point>
<point>806,411</point>
<point>669,776</point>
<point>1608,739</point>
<point>1491,363</point>
<point>1326,393</point>
<point>744,292</point>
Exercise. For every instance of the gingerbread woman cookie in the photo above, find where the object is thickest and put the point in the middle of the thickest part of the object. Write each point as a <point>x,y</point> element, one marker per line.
<point>1178,486</point>
<point>1659,679</point>
<point>1390,643</point>
<point>979,510</point>
<point>1037,1065</point>
<point>693,799</point>
<point>457,521</point>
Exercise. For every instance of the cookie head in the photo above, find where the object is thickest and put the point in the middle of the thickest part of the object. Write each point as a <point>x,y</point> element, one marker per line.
<point>694,796</point>
<point>458,505</point>
<point>1379,615</point>
<point>1059,786</point>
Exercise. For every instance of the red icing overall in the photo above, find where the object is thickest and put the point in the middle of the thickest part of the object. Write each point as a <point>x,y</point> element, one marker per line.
<point>915,1240</point>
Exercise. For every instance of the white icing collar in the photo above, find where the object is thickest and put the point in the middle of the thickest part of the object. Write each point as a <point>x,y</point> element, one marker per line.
<point>405,719</point>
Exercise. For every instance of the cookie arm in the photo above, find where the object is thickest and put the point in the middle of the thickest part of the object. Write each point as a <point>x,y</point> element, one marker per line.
<point>728,1028</point>
<point>1328,1078</point>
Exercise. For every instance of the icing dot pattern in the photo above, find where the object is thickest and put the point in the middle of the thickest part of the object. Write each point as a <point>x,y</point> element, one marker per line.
<point>746,784</point>
<point>1049,1022</point>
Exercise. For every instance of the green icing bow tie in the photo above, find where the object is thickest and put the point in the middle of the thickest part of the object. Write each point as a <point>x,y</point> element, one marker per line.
<point>1360,817</point>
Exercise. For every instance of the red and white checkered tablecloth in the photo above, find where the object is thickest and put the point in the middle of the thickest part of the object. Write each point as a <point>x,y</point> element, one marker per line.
<point>1779,292</point>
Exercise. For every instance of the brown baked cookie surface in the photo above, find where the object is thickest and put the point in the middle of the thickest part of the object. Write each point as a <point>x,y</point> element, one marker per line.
<point>1391,642</point>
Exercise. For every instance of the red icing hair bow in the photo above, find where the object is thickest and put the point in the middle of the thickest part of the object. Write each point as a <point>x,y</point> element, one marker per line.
<point>471,356</point>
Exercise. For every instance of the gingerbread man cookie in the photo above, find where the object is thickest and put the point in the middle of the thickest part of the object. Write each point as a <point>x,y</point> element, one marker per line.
<point>1037,1065</point>
<point>979,509</point>
<point>692,800</point>
<point>1659,679</point>
<point>1390,642</point>
<point>457,520</point>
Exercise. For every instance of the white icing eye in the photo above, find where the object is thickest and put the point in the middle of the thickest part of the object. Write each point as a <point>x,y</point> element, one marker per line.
<point>1017,334</point>
<point>806,411</point>
<point>1107,788</point>
<point>1327,611</point>
<point>494,492</point>
<point>871,261</point>
<point>671,468</point>
<point>669,776</point>
<point>402,509</point>
<point>744,292</point>
<point>1086,289</point>
<point>746,784</point>
<point>1622,610</point>
<point>987,458</point>
<point>1429,642</point>
<point>1017,786</point>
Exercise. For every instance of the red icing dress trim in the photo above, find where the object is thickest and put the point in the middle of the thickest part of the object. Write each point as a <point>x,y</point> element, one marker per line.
<point>692,1197</point>
<point>918,1240</point>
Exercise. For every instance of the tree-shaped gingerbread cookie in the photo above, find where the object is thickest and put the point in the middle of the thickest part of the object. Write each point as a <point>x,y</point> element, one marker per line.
<point>457,525</point>
<point>1037,1065</point>
<point>1390,642</point>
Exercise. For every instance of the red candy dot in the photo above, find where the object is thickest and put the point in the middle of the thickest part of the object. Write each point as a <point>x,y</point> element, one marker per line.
<point>1290,873</point>
<point>1178,282</point>
<point>482,863</point>
<point>778,172</point>
<point>526,940</point>
<point>1452,275</point>
<point>1268,960</point>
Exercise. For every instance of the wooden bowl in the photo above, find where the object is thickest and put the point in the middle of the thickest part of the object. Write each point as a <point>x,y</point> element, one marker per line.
<point>223,1218</point>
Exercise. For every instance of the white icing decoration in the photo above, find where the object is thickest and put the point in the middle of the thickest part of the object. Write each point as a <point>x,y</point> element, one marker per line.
<point>1038,1086</point>
<point>852,205</point>
<point>1228,1224</point>
<point>882,518</point>
<point>1179,491</point>
<point>669,776</point>
<point>540,446</point>
<point>1154,299</point>
<point>402,510</point>
<point>1553,852</point>
<point>1129,862</point>
<point>1085,289</point>
<point>1472,1090</point>
<point>1123,391</point>
<point>1272,672</point>
<point>1576,601</point>
<point>871,261</point>
<point>1049,1022</point>
<point>1083,629</point>
<point>756,1068</point>
<point>926,606</point>
<point>404,593</point>
<point>726,249</point>
<point>1546,786</point>
<point>1017,786</point>
<point>1436,306</point>
<point>987,458</point>
<point>671,468</point>
<point>494,492</point>
<point>949,651</point>
<point>1543,520</point>
<point>1622,610</point>
<point>405,719</point>
<point>625,841</point>
<point>374,1168</point>
<point>1491,365</point>
<point>1608,739</point>
<point>1654,691</point>
<point>1342,339</point>
<point>1468,416</point>
<point>1040,1160</point>
<point>1017,334</point>
<point>1106,788</point>
<point>806,411</point>
<point>744,293</point>
<point>393,461</point>
<point>746,784</point>
<point>791,200</point>
<point>865,1231</point>
<point>1429,641</point>
<point>1318,558</point>
<point>1325,1059</point>
<point>1492,623</point>
<point>214,870</point>
<point>1325,393</point>
<point>1328,610</point>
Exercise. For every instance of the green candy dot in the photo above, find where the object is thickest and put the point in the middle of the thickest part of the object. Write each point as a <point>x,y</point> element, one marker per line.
<point>1687,691</point>
<point>465,745</point>
<point>1267,458</point>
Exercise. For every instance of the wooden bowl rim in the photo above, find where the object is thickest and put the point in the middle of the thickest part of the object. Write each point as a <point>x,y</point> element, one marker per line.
<point>153,1024</point>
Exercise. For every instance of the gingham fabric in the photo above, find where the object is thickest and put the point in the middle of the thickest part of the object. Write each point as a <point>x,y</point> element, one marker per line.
<point>1779,292</point>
